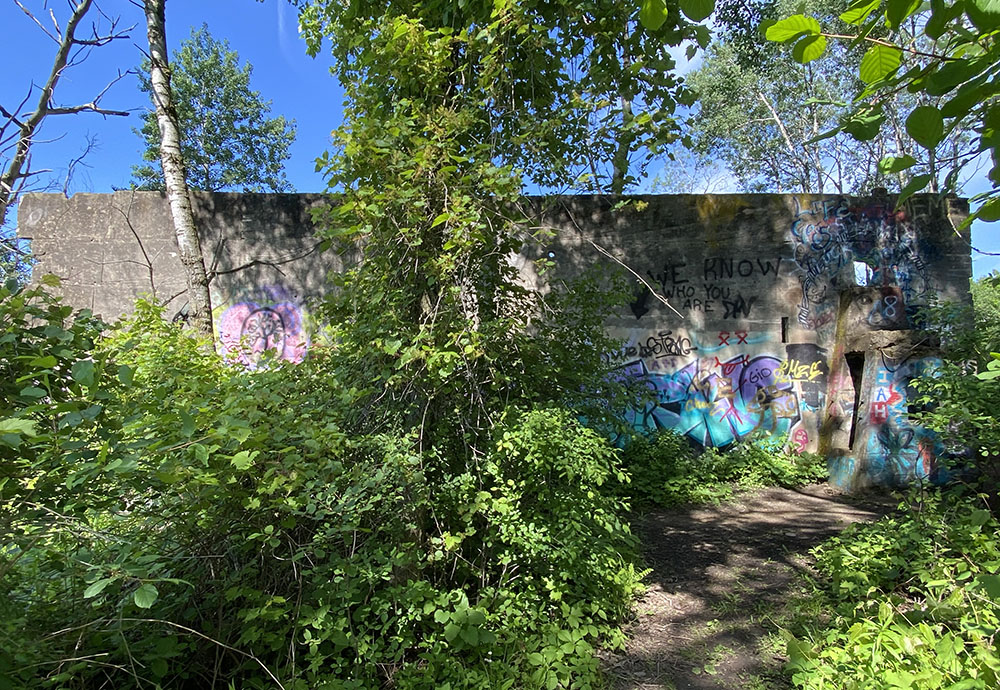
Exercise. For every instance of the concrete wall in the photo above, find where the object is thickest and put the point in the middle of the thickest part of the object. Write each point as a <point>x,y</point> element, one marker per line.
<point>765,330</point>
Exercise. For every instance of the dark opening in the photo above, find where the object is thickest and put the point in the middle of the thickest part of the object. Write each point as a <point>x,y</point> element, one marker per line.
<point>784,329</point>
<point>856,365</point>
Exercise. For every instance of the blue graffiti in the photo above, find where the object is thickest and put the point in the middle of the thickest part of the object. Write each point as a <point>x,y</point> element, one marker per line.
<point>718,402</point>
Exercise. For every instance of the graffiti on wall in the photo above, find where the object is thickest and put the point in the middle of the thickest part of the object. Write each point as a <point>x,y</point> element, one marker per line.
<point>711,287</point>
<point>719,399</point>
<point>830,235</point>
<point>264,319</point>
<point>896,450</point>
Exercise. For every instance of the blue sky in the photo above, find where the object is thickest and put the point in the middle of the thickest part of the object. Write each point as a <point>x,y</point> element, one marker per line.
<point>263,33</point>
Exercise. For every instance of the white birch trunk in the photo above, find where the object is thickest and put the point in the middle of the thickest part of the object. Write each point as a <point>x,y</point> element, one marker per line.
<point>200,315</point>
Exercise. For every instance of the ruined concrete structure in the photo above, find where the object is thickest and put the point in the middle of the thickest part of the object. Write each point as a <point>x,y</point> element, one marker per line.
<point>794,314</point>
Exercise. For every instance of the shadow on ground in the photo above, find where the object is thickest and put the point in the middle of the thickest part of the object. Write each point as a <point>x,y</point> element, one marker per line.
<point>721,576</point>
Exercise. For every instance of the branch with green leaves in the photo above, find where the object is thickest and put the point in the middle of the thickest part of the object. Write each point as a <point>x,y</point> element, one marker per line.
<point>944,53</point>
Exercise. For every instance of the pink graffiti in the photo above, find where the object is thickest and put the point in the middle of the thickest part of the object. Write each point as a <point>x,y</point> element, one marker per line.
<point>801,439</point>
<point>248,330</point>
<point>729,367</point>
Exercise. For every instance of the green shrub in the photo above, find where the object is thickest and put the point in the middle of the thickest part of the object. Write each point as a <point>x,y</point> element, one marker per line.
<point>222,527</point>
<point>960,397</point>
<point>911,601</point>
<point>665,470</point>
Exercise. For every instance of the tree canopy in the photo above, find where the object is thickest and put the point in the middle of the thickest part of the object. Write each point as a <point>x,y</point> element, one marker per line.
<point>767,114</point>
<point>945,55</point>
<point>229,141</point>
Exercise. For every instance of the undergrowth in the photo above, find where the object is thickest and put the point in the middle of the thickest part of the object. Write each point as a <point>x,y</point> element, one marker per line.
<point>168,521</point>
<point>666,470</point>
<point>910,601</point>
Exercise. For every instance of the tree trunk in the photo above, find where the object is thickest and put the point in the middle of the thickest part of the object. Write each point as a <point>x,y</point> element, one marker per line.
<point>200,315</point>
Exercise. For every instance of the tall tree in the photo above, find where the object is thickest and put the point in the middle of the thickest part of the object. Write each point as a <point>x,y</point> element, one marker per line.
<point>228,140</point>
<point>172,160</point>
<point>776,120</point>
<point>452,107</point>
<point>945,55</point>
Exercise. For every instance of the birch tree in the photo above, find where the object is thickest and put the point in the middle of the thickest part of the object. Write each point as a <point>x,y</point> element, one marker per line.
<point>200,314</point>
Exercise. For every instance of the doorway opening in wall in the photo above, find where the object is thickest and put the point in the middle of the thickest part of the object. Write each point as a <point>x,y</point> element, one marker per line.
<point>856,365</point>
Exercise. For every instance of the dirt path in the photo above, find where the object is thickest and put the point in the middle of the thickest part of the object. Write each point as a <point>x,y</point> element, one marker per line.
<point>721,577</point>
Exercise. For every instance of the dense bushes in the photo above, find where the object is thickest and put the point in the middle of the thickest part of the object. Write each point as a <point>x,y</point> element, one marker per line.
<point>911,601</point>
<point>170,521</point>
<point>665,470</point>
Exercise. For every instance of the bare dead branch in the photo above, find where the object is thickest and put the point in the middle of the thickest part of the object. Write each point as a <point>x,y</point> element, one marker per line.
<point>71,47</point>
<point>85,108</point>
<point>40,25</point>
<point>618,261</point>
<point>91,145</point>
<point>259,262</point>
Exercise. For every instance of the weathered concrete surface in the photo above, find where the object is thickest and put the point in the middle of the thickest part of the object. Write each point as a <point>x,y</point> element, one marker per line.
<point>748,319</point>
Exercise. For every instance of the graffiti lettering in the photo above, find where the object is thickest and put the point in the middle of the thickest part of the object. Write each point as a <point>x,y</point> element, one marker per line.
<point>801,440</point>
<point>798,371</point>
<point>729,367</point>
<point>830,235</point>
<point>738,307</point>
<point>717,402</point>
<point>664,344</point>
<point>718,268</point>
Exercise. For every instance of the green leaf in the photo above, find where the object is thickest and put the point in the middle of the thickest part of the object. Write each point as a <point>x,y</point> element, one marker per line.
<point>858,11</point>
<point>470,636</point>
<point>991,585</point>
<point>898,10</point>
<point>125,375</point>
<point>187,424</point>
<point>697,10</point>
<point>13,425</point>
<point>159,667</point>
<point>145,596</point>
<point>83,372</point>
<point>985,14</point>
<point>793,27</point>
<point>200,452</point>
<point>809,48</point>
<point>989,211</point>
<point>926,126</point>
<point>864,125</point>
<point>951,74</point>
<point>979,517</point>
<point>33,392</point>
<point>451,631</point>
<point>46,362</point>
<point>915,185</point>
<point>652,14</point>
<point>894,164</point>
<point>879,62</point>
<point>440,219</point>
<point>97,587</point>
<point>244,459</point>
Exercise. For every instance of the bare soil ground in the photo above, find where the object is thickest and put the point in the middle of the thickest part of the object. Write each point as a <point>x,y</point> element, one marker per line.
<point>721,578</point>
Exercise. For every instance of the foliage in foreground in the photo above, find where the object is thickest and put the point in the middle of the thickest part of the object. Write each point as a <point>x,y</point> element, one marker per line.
<point>665,470</point>
<point>171,522</point>
<point>956,401</point>
<point>910,601</point>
